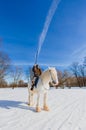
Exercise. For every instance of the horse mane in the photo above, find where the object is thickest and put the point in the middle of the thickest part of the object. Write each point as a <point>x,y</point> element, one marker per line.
<point>45,71</point>
<point>49,68</point>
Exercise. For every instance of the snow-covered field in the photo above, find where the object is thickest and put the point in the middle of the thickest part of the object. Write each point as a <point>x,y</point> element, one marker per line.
<point>68,110</point>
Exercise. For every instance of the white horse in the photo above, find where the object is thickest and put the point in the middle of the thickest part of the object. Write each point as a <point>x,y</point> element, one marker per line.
<point>45,78</point>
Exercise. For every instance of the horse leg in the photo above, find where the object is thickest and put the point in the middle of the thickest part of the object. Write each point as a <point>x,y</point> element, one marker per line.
<point>30,98</point>
<point>38,109</point>
<point>46,108</point>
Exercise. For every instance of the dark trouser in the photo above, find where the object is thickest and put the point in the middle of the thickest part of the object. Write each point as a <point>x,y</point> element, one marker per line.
<point>35,82</point>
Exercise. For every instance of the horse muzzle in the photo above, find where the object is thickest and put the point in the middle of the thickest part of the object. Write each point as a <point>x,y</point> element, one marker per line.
<point>53,84</point>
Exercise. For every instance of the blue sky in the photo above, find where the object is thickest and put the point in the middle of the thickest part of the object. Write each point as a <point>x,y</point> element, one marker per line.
<point>21,24</point>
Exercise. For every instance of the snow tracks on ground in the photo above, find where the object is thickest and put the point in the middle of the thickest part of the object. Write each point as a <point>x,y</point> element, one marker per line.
<point>67,110</point>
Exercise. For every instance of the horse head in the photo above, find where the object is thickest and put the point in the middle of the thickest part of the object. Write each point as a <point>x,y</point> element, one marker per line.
<point>54,77</point>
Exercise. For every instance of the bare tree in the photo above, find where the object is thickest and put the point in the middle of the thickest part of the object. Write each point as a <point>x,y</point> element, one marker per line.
<point>28,74</point>
<point>3,83</point>
<point>4,65</point>
<point>82,75</point>
<point>63,78</point>
<point>75,70</point>
<point>16,75</point>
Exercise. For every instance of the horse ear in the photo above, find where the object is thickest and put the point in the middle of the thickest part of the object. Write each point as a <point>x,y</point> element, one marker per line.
<point>49,68</point>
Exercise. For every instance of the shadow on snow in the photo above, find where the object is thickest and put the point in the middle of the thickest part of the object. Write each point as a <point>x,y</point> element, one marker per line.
<point>7,104</point>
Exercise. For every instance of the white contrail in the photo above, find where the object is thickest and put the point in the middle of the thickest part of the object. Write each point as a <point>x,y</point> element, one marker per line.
<point>47,23</point>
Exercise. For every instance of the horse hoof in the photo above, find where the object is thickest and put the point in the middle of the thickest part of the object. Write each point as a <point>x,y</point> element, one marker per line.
<point>46,108</point>
<point>30,104</point>
<point>38,109</point>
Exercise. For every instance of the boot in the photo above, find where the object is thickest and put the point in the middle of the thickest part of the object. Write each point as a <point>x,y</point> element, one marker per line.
<point>32,87</point>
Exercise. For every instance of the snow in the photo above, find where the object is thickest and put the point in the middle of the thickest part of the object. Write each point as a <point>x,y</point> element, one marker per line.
<point>67,110</point>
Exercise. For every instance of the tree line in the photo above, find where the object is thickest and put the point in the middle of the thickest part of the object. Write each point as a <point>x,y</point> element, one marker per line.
<point>74,76</point>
